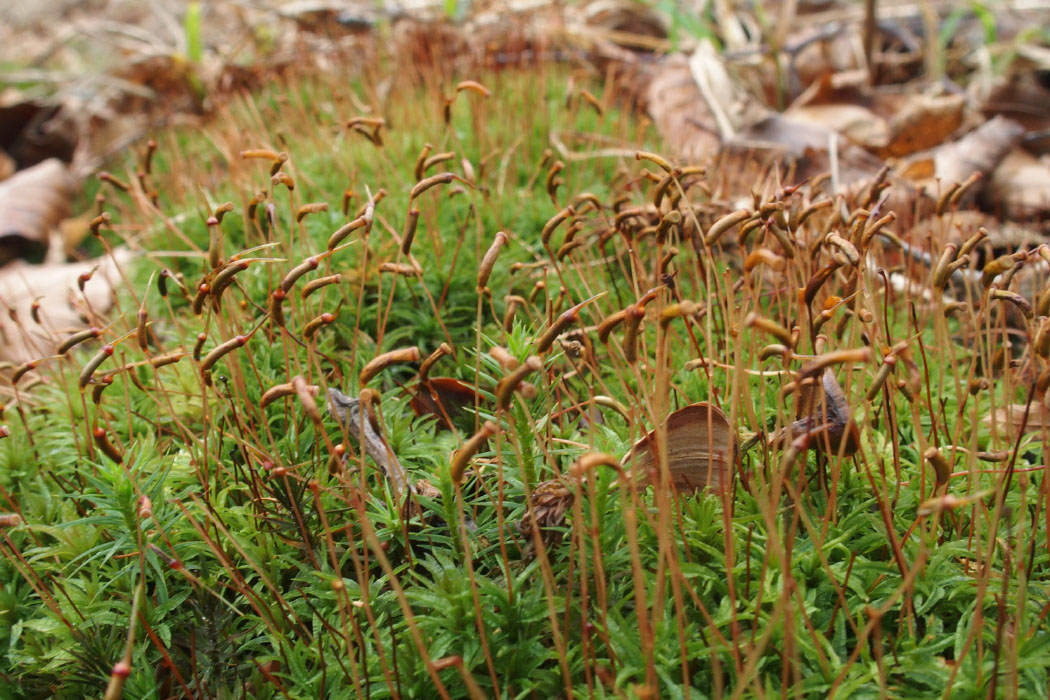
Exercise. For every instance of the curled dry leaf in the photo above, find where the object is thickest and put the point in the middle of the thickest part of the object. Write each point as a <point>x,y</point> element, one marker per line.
<point>825,419</point>
<point>626,18</point>
<point>32,202</point>
<point>815,53</point>
<point>63,307</point>
<point>702,450</point>
<point>412,508</point>
<point>443,397</point>
<point>348,412</point>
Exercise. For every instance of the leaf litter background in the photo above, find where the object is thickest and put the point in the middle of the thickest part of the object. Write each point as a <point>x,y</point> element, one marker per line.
<point>949,91</point>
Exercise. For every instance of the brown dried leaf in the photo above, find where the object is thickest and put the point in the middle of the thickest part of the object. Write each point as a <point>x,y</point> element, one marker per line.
<point>627,19</point>
<point>816,56</point>
<point>923,122</point>
<point>1023,96</point>
<point>32,202</point>
<point>443,397</point>
<point>7,166</point>
<point>702,450</point>
<point>32,132</point>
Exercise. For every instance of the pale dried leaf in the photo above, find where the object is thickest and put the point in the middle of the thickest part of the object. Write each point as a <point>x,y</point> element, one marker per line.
<point>32,202</point>
<point>1020,186</point>
<point>980,151</point>
<point>778,139</point>
<point>63,308</point>
<point>1012,417</point>
<point>825,418</point>
<point>361,424</point>
<point>679,112</point>
<point>857,123</point>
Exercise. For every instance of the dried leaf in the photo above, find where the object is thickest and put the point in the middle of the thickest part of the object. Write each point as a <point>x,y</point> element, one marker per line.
<point>32,202</point>
<point>857,123</point>
<point>702,450</point>
<point>33,132</point>
<point>348,412</point>
<point>825,418</point>
<point>412,508</point>
<point>443,397</point>
<point>816,56</point>
<point>63,308</point>
<point>950,502</point>
<point>1019,186</point>
<point>627,18</point>
<point>1023,96</point>
<point>923,122</point>
<point>981,151</point>
<point>782,140</point>
<point>1011,417</point>
<point>729,104</point>
<point>680,113</point>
